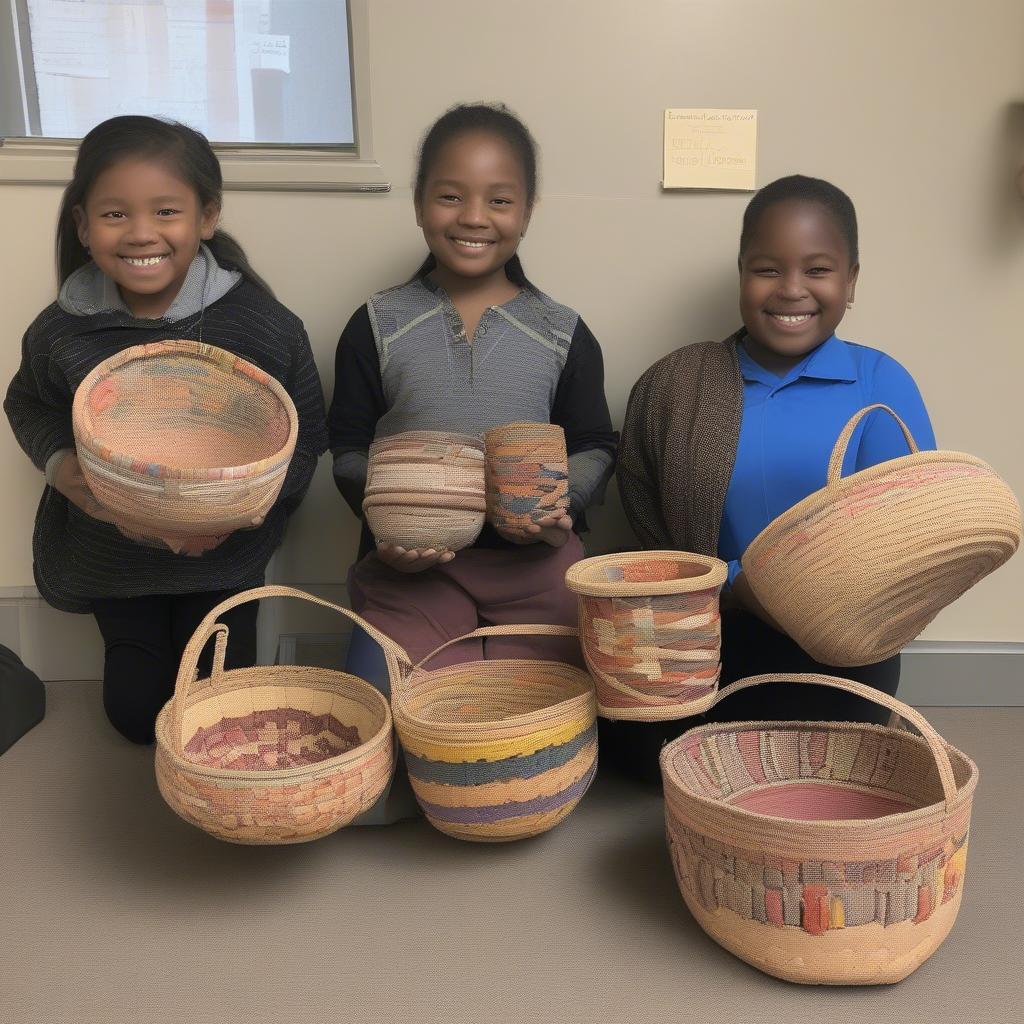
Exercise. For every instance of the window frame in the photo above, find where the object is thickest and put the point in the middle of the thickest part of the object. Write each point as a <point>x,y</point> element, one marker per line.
<point>246,168</point>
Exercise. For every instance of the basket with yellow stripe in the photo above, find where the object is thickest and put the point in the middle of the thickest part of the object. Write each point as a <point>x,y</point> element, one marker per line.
<point>498,750</point>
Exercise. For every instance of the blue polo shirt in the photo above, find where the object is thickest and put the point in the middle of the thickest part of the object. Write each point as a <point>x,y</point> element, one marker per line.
<point>790,425</point>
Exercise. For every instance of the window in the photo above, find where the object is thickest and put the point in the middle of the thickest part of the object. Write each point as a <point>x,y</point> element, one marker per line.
<point>272,83</point>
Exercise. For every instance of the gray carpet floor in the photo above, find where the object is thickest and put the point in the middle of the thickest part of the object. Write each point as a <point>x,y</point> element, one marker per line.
<point>114,910</point>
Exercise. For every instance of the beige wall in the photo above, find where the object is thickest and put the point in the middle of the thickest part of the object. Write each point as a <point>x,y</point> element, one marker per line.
<point>912,106</point>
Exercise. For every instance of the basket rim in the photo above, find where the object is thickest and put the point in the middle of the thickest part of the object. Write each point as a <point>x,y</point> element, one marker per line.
<point>839,826</point>
<point>205,352</point>
<point>473,441</point>
<point>276,776</point>
<point>578,575</point>
<point>831,493</point>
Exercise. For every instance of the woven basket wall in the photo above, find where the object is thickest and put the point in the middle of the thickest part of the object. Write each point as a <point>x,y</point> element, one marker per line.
<point>650,631</point>
<point>425,489</point>
<point>183,439</point>
<point>275,754</point>
<point>498,750</point>
<point>527,473</point>
<point>858,569</point>
<point>829,853</point>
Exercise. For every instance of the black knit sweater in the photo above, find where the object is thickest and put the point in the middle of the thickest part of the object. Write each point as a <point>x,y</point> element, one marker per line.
<point>78,558</point>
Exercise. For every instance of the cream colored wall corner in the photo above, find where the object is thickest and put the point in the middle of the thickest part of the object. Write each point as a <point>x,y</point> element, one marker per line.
<point>913,108</point>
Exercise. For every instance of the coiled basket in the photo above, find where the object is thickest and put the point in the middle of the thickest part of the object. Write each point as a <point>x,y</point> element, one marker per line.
<point>276,754</point>
<point>527,473</point>
<point>828,853</point>
<point>858,569</point>
<point>650,631</point>
<point>498,750</point>
<point>183,439</point>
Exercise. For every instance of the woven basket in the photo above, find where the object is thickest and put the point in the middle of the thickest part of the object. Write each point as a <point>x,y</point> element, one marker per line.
<point>183,439</point>
<point>828,853</point>
<point>650,631</point>
<point>275,754</point>
<point>425,489</point>
<point>527,473</point>
<point>498,750</point>
<point>858,569</point>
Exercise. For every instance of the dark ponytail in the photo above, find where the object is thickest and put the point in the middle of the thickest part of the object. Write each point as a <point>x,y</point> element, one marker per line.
<point>494,119</point>
<point>134,136</point>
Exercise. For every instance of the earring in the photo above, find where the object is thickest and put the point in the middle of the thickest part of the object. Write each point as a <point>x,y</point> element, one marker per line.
<point>849,304</point>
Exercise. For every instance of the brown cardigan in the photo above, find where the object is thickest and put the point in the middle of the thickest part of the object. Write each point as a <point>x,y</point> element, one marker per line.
<point>678,446</point>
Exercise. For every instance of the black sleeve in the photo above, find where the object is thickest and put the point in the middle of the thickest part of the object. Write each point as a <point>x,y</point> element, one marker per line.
<point>357,405</point>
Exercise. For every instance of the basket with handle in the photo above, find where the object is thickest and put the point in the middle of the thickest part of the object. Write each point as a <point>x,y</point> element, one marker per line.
<point>273,754</point>
<point>183,439</point>
<point>425,489</point>
<point>828,853</point>
<point>650,631</point>
<point>527,473</point>
<point>498,750</point>
<point>856,570</point>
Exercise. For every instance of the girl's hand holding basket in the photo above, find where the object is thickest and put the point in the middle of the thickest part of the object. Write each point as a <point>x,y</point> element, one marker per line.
<point>412,559</point>
<point>554,529</point>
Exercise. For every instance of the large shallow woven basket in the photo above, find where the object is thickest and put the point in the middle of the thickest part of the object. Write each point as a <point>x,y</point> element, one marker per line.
<point>276,754</point>
<point>827,853</point>
<point>183,439</point>
<point>425,489</point>
<point>650,631</point>
<point>527,473</point>
<point>498,750</point>
<point>858,569</point>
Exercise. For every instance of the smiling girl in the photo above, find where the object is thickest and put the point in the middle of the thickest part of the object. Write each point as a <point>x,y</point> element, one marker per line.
<point>140,259</point>
<point>720,438</point>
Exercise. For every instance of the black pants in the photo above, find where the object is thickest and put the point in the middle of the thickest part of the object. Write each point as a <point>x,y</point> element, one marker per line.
<point>750,648</point>
<point>144,638</point>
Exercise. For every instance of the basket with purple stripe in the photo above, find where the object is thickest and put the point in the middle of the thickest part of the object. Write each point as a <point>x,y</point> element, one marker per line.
<point>498,750</point>
<point>527,473</point>
<point>650,631</point>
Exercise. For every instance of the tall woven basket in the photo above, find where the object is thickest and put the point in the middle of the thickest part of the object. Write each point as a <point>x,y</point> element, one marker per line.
<point>650,631</point>
<point>858,569</point>
<point>498,750</point>
<point>276,754</point>
<point>183,439</point>
<point>527,473</point>
<point>827,853</point>
<point>425,489</point>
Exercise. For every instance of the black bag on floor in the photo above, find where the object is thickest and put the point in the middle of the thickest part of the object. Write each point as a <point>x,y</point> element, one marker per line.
<point>22,699</point>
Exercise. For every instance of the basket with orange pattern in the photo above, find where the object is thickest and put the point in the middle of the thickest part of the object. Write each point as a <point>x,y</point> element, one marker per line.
<point>276,754</point>
<point>527,473</point>
<point>650,631</point>
<point>498,749</point>
<point>858,569</point>
<point>183,439</point>
<point>828,853</point>
<point>425,489</point>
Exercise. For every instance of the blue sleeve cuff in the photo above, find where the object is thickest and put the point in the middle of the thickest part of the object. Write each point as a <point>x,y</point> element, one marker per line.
<point>735,568</point>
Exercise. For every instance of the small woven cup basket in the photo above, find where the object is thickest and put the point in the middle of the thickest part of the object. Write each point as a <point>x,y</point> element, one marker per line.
<point>182,439</point>
<point>527,473</point>
<point>425,489</point>
<point>856,570</point>
<point>275,754</point>
<point>498,750</point>
<point>826,853</point>
<point>650,631</point>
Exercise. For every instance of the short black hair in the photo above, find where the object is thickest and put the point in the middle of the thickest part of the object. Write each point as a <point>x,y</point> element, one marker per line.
<point>809,190</point>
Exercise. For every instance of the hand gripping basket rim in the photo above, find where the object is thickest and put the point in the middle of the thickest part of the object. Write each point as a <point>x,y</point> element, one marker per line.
<point>200,350</point>
<point>582,577</point>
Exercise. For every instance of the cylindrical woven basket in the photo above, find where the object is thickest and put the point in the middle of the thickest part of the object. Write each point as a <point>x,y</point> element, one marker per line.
<point>276,754</point>
<point>858,569</point>
<point>826,853</point>
<point>527,473</point>
<point>183,439</point>
<point>650,631</point>
<point>498,750</point>
<point>425,489</point>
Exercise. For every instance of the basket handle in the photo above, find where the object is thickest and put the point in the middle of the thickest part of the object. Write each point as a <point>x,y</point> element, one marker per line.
<point>835,463</point>
<point>503,631</point>
<point>398,662</point>
<point>936,744</point>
